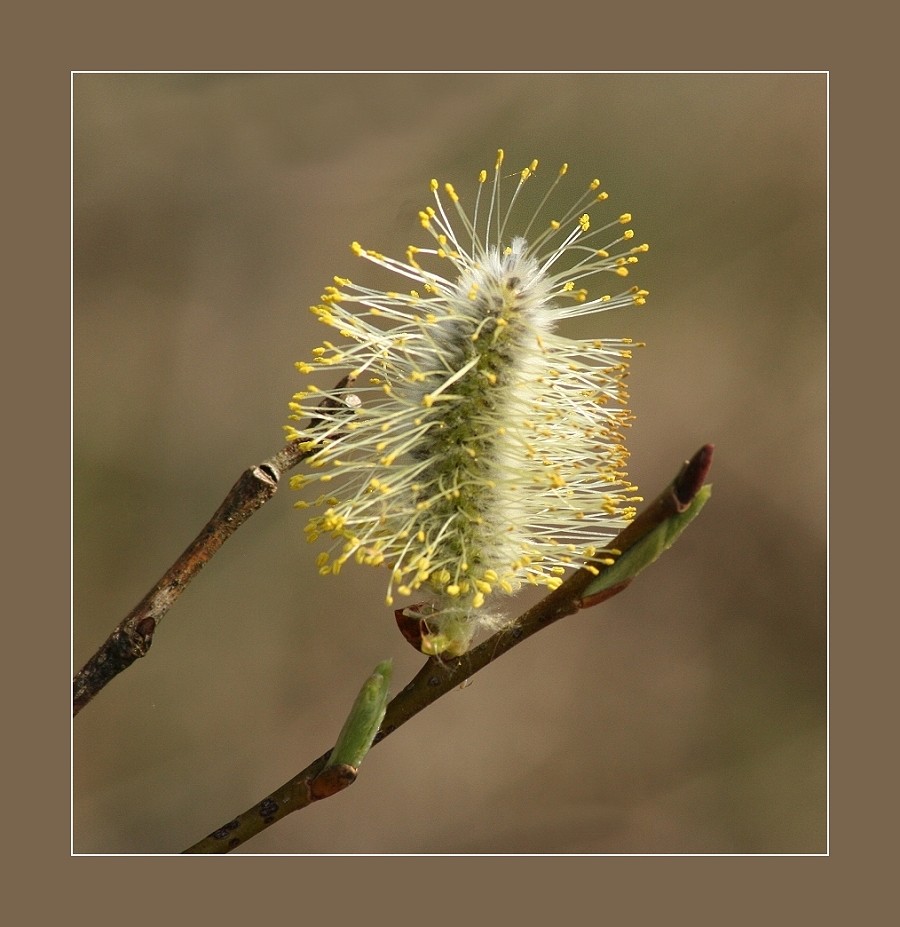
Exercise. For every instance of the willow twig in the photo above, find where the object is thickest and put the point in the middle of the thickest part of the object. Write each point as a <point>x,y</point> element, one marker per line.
<point>132,637</point>
<point>439,676</point>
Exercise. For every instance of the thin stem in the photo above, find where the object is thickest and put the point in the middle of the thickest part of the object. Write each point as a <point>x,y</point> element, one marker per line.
<point>437,677</point>
<point>133,636</point>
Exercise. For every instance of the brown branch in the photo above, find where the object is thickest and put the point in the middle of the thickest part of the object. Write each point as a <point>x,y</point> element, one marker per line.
<point>132,637</point>
<point>438,677</point>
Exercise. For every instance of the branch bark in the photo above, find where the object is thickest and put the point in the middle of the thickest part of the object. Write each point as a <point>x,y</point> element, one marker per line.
<point>437,677</point>
<point>132,637</point>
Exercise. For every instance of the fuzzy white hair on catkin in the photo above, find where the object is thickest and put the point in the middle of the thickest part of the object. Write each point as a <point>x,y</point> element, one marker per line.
<point>485,449</point>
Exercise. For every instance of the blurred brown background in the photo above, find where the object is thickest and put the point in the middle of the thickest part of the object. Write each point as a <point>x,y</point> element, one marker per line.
<point>687,715</point>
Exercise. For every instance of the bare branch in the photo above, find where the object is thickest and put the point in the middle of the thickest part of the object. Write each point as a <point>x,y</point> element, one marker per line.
<point>132,637</point>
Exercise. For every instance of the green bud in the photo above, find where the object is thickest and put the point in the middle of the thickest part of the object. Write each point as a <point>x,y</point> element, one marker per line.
<point>365,718</point>
<point>645,551</point>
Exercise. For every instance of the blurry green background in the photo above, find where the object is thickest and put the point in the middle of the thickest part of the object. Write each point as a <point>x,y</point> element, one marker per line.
<point>688,715</point>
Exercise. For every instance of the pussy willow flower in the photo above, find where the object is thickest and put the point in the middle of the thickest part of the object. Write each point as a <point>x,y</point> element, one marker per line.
<point>469,448</point>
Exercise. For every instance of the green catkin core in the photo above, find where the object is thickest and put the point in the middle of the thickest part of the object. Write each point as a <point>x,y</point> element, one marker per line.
<point>463,447</point>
